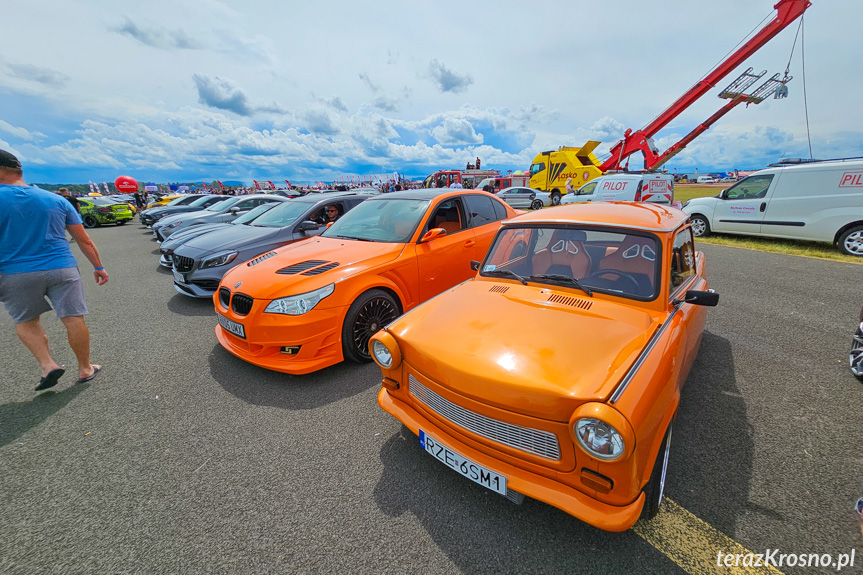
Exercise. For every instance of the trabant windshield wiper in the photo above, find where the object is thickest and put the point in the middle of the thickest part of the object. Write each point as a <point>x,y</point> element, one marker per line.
<point>509,273</point>
<point>562,278</point>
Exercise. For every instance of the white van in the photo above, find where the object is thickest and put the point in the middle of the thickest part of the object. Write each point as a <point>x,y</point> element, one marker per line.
<point>705,180</point>
<point>818,201</point>
<point>629,187</point>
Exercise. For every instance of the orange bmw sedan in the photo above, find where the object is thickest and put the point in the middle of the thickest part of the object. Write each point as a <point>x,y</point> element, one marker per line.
<point>556,373</point>
<point>313,304</point>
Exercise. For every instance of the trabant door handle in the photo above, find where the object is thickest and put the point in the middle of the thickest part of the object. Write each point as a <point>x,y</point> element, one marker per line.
<point>469,243</point>
<point>763,206</point>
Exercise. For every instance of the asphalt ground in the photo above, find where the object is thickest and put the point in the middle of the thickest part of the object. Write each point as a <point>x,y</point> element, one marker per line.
<point>180,458</point>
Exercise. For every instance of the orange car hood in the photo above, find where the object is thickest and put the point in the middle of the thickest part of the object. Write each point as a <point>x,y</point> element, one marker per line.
<point>262,282</point>
<point>478,343</point>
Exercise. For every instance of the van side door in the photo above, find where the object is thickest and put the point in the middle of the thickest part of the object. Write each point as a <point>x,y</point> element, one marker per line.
<point>741,208</point>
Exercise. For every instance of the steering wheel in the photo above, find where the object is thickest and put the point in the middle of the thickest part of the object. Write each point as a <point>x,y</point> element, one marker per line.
<point>636,287</point>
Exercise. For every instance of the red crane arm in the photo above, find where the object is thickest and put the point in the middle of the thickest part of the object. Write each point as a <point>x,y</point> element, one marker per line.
<point>786,12</point>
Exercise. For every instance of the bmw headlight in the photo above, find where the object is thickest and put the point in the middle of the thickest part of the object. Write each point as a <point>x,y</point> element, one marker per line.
<point>299,304</point>
<point>599,438</point>
<point>219,259</point>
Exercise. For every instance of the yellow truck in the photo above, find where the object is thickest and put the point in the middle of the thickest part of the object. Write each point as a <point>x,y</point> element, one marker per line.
<point>550,170</point>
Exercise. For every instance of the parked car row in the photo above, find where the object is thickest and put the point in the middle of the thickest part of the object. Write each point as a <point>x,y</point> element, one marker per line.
<point>460,299</point>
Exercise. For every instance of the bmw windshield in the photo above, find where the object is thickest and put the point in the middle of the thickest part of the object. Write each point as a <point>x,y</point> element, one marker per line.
<point>281,216</point>
<point>385,220</point>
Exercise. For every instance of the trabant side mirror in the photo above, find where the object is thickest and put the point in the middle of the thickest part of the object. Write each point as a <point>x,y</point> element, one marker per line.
<point>695,297</point>
<point>432,234</point>
<point>474,265</point>
<point>308,225</point>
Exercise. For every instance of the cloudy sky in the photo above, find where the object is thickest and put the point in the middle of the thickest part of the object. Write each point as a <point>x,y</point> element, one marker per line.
<point>193,90</point>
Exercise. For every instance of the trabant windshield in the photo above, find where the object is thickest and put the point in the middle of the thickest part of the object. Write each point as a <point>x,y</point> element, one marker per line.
<point>386,220</point>
<point>609,260</point>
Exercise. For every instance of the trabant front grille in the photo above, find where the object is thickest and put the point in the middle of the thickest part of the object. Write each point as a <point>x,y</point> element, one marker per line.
<point>533,441</point>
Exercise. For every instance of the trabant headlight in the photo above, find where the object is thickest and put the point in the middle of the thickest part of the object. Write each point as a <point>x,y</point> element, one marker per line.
<point>385,350</point>
<point>599,438</point>
<point>220,259</point>
<point>299,304</point>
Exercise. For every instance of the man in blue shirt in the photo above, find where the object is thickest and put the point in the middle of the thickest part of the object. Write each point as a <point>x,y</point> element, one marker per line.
<point>37,263</point>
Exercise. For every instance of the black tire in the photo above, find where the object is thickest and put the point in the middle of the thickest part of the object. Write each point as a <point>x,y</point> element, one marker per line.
<point>536,205</point>
<point>369,313</point>
<point>555,197</point>
<point>851,241</point>
<point>700,226</point>
<point>655,488</point>
<point>121,222</point>
<point>856,356</point>
<point>90,222</point>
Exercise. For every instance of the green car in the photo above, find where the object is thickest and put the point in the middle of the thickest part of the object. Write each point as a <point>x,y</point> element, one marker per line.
<point>96,211</point>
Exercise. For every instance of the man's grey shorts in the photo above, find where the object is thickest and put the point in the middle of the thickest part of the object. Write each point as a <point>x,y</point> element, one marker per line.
<point>24,294</point>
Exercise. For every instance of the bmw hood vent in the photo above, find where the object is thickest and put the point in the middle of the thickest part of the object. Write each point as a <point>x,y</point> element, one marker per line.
<point>308,268</point>
<point>260,258</point>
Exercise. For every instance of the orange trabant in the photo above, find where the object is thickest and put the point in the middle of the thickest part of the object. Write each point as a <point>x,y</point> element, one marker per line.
<point>312,304</point>
<point>556,372</point>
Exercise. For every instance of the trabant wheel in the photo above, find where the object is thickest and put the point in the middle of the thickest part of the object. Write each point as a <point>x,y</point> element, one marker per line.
<point>369,313</point>
<point>856,357</point>
<point>90,221</point>
<point>851,241</point>
<point>555,198</point>
<point>655,488</point>
<point>536,205</point>
<point>700,227</point>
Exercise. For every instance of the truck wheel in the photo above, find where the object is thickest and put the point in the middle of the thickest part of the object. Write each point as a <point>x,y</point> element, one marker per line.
<point>655,488</point>
<point>555,197</point>
<point>851,241</point>
<point>536,205</point>
<point>700,227</point>
<point>90,222</point>
<point>369,313</point>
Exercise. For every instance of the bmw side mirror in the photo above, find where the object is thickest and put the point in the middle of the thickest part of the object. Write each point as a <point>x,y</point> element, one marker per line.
<point>474,265</point>
<point>432,234</point>
<point>695,297</point>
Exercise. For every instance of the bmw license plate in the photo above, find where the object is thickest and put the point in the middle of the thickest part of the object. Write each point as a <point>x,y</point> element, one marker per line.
<point>476,473</point>
<point>179,278</point>
<point>235,328</point>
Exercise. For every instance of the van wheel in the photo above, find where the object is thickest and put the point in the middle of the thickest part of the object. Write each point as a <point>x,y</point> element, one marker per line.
<point>851,241</point>
<point>367,315</point>
<point>700,227</point>
<point>90,222</point>
<point>555,198</point>
<point>655,488</point>
<point>536,205</point>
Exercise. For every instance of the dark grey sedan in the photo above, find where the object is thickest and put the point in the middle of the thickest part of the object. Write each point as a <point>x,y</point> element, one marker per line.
<point>223,212</point>
<point>200,263</point>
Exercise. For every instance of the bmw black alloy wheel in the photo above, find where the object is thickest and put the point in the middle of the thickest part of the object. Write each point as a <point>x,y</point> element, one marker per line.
<point>372,316</point>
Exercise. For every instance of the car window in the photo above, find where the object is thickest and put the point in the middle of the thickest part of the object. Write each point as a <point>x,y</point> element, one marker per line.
<point>682,258</point>
<point>202,201</point>
<point>281,215</point>
<point>499,210</point>
<point>480,210</point>
<point>753,187</point>
<point>536,168</point>
<point>586,189</point>
<point>614,261</point>
<point>186,200</point>
<point>253,214</point>
<point>385,220</point>
<point>448,215</point>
